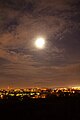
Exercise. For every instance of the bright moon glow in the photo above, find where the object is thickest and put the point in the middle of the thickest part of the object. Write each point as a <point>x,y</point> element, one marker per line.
<point>40,42</point>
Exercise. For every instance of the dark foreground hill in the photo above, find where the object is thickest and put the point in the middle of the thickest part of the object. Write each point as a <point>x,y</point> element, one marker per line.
<point>51,108</point>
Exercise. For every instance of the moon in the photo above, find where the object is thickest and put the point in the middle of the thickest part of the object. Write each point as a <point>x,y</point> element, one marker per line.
<point>40,42</point>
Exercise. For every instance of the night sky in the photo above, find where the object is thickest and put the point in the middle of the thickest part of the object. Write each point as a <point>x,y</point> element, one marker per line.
<point>24,65</point>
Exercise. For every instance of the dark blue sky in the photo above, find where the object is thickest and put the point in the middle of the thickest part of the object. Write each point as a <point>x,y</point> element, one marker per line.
<point>21,63</point>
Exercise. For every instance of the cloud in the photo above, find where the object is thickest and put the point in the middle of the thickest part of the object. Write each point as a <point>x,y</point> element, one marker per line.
<point>21,22</point>
<point>4,61</point>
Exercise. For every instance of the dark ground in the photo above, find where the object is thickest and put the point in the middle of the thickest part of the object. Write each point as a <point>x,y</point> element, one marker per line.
<point>52,108</point>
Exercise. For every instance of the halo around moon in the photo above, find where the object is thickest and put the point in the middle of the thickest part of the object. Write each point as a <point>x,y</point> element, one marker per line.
<point>40,42</point>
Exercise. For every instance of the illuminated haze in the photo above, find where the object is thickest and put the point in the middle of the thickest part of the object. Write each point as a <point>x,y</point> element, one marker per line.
<point>22,64</point>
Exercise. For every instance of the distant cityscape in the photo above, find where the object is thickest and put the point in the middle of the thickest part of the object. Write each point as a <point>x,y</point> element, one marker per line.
<point>36,93</point>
